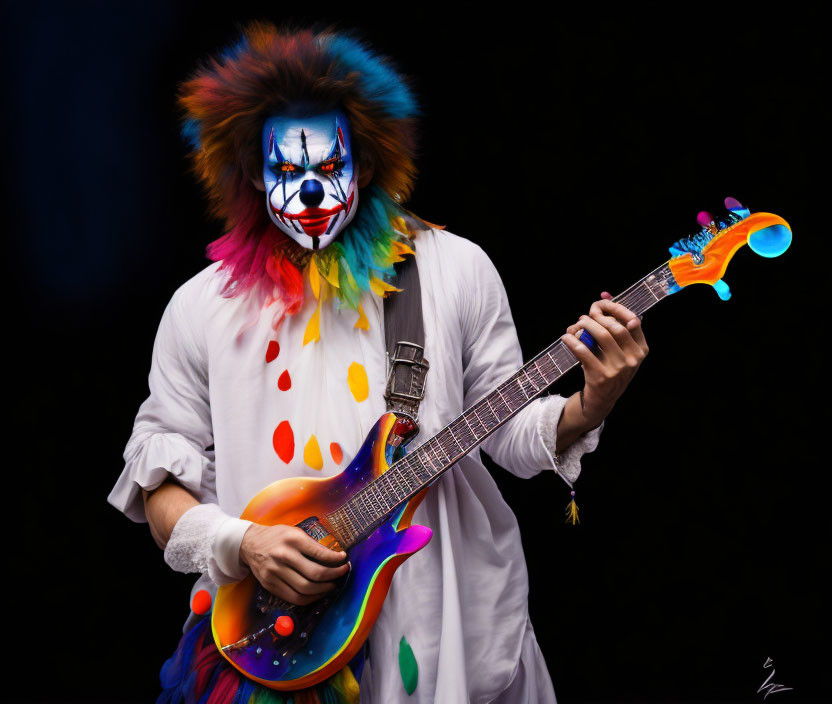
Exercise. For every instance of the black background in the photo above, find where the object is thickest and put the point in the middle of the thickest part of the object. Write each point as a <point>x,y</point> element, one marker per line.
<point>574,147</point>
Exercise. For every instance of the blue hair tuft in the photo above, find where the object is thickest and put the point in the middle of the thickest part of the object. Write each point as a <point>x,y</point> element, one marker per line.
<point>379,80</point>
<point>190,133</point>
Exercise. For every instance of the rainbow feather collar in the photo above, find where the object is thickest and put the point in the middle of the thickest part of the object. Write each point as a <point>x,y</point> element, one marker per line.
<point>273,267</point>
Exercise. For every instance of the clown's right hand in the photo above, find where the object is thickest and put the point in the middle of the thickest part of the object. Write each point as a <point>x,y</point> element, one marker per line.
<point>290,564</point>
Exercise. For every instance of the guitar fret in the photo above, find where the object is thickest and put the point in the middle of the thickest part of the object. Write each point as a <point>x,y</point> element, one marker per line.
<point>431,447</point>
<point>465,420</point>
<point>352,514</point>
<point>358,505</point>
<point>383,496</point>
<point>484,426</point>
<point>466,432</point>
<point>374,498</point>
<point>416,468</point>
<point>378,496</point>
<point>449,451</point>
<point>408,465</point>
<point>650,289</point>
<point>446,458</point>
<point>413,467</point>
<point>406,490</point>
<point>395,484</point>
<point>370,501</point>
<point>456,442</point>
<point>551,357</point>
<point>491,408</point>
<point>471,421</point>
<point>385,488</point>
<point>484,421</point>
<point>535,368</point>
<point>403,481</point>
<point>529,380</point>
<point>346,528</point>
<point>546,369</point>
<point>570,360</point>
<point>427,466</point>
<point>426,459</point>
<point>503,399</point>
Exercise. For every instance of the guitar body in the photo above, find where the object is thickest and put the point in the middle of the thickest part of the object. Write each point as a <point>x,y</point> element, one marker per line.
<point>328,633</point>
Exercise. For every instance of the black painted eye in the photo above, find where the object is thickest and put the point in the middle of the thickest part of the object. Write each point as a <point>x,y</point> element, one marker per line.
<point>287,167</point>
<point>330,166</point>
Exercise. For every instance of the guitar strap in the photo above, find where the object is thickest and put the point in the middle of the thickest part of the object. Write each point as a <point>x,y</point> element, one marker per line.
<point>404,334</point>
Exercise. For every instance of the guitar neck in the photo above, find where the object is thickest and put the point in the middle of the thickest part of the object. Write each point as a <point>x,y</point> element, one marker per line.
<point>407,477</point>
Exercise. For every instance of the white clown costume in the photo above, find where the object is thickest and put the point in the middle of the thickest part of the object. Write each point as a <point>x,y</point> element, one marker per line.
<point>271,363</point>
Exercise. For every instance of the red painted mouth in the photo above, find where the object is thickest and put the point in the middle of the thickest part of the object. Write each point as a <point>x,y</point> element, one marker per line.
<point>315,221</point>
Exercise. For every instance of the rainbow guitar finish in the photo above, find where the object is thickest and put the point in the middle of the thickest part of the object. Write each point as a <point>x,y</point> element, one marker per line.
<point>340,625</point>
<point>367,509</point>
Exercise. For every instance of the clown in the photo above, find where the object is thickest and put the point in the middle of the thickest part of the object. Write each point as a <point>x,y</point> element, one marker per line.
<point>271,363</point>
<point>310,198</point>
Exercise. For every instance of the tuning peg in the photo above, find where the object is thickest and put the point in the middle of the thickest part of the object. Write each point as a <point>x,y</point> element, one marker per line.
<point>704,218</point>
<point>737,208</point>
<point>722,290</point>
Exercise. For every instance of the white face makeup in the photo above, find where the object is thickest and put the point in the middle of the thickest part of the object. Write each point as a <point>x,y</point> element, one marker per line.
<point>310,176</point>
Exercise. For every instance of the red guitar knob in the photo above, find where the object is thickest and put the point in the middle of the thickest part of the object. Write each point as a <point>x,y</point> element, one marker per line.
<point>284,625</point>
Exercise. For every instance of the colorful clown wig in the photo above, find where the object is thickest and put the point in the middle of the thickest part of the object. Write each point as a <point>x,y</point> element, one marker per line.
<point>267,72</point>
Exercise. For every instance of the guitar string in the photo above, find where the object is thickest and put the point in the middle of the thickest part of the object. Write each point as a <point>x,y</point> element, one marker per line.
<point>639,298</point>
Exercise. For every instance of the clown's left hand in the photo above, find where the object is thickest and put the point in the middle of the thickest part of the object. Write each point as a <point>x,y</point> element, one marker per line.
<point>621,348</point>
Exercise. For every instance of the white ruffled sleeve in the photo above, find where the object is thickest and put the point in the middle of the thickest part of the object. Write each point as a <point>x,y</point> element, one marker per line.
<point>172,430</point>
<point>491,353</point>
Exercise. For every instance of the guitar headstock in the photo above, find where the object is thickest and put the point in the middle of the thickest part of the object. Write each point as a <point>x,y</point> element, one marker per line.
<point>703,257</point>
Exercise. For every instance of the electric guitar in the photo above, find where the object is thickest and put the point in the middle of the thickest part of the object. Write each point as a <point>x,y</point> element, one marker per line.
<point>366,510</point>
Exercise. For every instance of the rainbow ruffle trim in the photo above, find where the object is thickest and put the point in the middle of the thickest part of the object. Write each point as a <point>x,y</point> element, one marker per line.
<point>197,674</point>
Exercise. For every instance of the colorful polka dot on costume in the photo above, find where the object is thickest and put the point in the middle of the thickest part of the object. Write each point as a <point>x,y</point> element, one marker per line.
<point>283,441</point>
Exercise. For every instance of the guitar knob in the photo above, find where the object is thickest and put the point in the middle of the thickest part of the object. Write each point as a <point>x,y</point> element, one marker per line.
<point>704,219</point>
<point>284,625</point>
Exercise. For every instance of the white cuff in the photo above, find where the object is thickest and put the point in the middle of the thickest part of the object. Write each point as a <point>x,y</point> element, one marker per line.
<point>568,462</point>
<point>206,539</point>
<point>225,566</point>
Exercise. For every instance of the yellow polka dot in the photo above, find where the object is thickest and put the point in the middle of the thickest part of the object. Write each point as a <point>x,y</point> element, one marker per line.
<point>312,453</point>
<point>357,380</point>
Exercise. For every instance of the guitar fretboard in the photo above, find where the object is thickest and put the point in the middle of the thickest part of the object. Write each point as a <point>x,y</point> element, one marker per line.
<point>407,477</point>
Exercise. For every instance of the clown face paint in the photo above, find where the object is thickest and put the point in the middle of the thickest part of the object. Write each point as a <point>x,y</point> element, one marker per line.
<point>310,176</point>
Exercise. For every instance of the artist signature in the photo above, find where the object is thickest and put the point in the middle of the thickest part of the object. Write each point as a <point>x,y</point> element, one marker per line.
<point>768,686</point>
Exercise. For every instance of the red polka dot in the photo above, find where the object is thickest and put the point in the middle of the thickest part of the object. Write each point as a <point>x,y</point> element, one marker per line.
<point>335,451</point>
<point>201,603</point>
<point>272,351</point>
<point>284,383</point>
<point>284,625</point>
<point>284,441</point>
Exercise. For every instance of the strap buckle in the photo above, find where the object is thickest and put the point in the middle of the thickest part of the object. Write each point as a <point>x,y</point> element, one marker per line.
<point>406,379</point>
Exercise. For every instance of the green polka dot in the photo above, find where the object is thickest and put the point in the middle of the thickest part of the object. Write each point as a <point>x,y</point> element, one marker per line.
<point>408,666</point>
